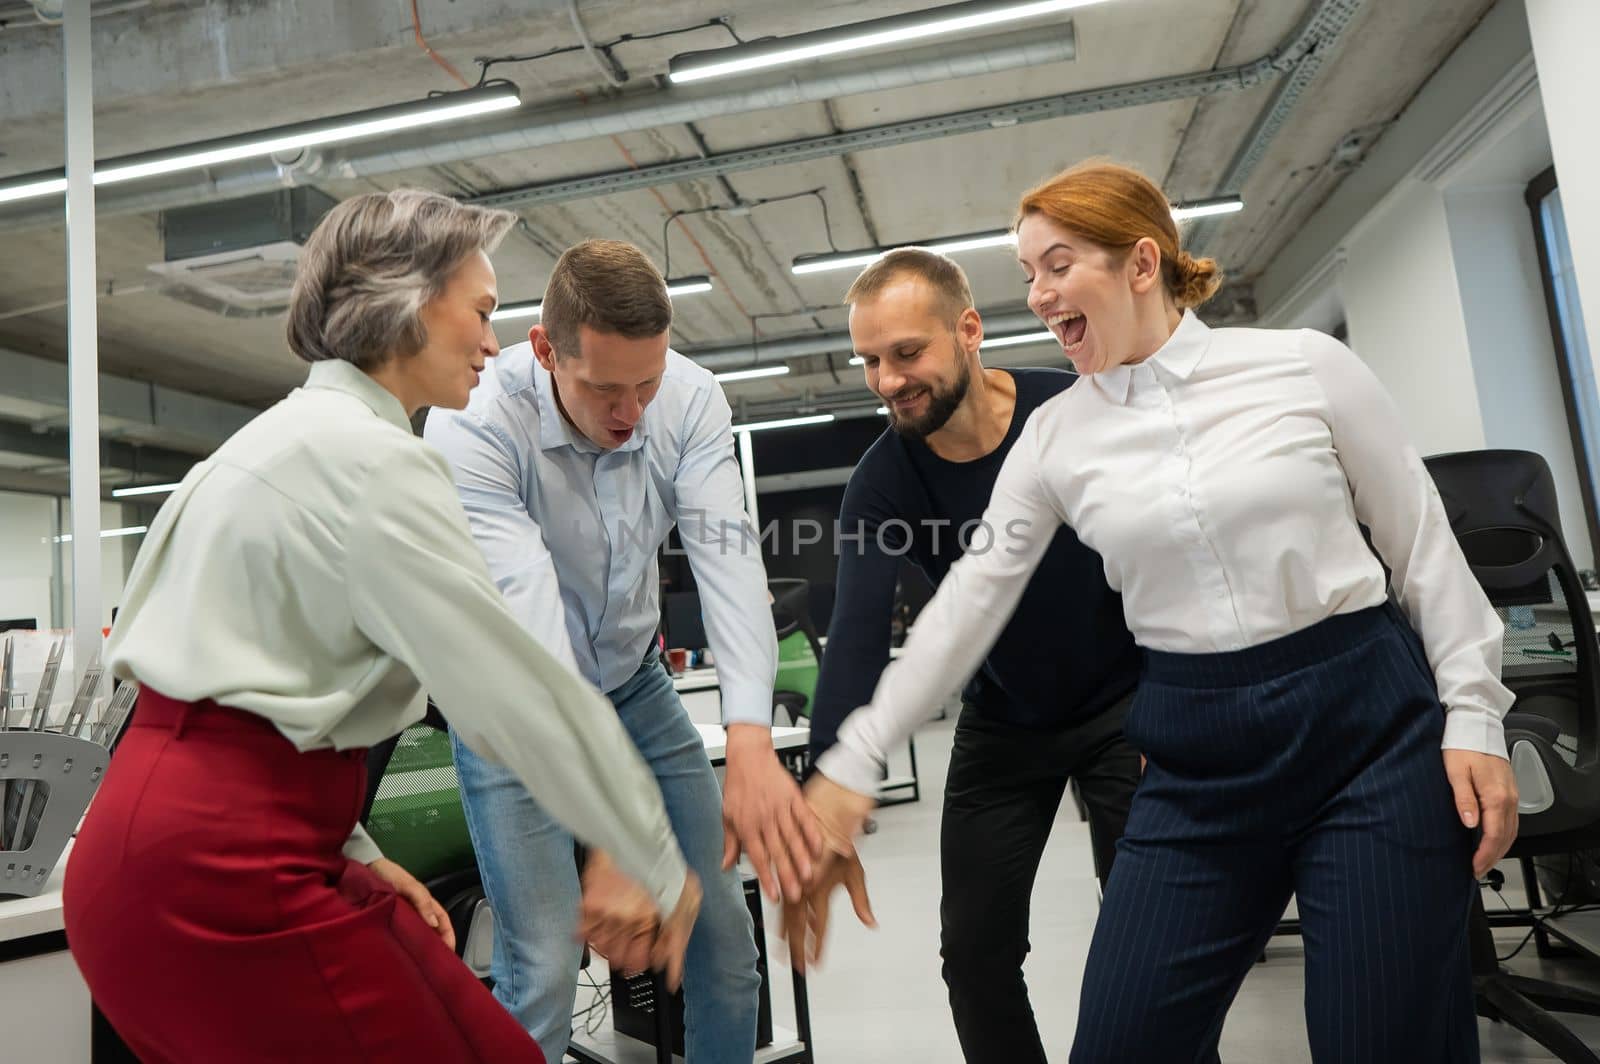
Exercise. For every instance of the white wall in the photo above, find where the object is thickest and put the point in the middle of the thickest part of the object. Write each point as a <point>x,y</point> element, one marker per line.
<point>1438,279</point>
<point>26,524</point>
<point>27,559</point>
<point>1513,353</point>
<point>1402,304</point>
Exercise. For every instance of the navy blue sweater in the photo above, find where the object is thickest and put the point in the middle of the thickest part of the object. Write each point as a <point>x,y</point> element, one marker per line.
<point>1066,653</point>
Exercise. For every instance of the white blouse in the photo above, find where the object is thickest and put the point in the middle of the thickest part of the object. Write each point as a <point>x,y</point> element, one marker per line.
<point>1222,482</point>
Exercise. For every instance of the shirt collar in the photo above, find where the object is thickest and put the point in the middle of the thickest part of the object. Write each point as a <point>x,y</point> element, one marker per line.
<point>341,376</point>
<point>1178,356</point>
<point>554,429</point>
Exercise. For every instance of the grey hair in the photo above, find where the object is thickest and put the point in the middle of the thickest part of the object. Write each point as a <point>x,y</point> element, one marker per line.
<point>371,265</point>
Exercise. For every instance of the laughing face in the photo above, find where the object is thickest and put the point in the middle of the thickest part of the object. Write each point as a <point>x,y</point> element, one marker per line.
<point>915,361</point>
<point>1086,295</point>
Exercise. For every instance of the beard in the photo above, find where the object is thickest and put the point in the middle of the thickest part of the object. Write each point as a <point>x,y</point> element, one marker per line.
<point>942,403</point>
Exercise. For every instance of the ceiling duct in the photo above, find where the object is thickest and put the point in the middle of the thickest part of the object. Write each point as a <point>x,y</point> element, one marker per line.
<point>238,258</point>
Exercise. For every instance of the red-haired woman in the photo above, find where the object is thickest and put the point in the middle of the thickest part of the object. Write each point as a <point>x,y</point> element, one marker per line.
<point>1293,717</point>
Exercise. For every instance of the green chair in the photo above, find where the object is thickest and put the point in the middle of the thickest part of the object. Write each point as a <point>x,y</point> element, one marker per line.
<point>799,649</point>
<point>414,814</point>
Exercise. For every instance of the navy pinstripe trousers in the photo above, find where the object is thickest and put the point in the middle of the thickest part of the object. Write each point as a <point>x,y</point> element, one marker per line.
<point>1310,766</point>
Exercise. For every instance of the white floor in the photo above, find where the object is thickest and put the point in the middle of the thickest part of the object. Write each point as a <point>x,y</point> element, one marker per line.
<point>878,995</point>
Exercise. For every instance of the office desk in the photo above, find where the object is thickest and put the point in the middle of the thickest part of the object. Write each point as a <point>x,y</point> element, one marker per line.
<point>42,996</point>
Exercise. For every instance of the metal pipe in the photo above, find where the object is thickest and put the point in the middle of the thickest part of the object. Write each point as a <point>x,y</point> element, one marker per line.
<point>530,128</point>
<point>83,353</point>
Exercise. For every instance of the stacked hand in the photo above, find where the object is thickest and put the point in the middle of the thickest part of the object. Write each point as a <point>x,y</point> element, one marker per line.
<point>622,924</point>
<point>765,816</point>
<point>841,813</point>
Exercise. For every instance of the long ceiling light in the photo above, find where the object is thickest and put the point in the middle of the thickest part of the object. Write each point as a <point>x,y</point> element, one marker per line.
<point>1014,340</point>
<point>1018,339</point>
<point>996,238</point>
<point>860,37</point>
<point>844,260</point>
<point>446,107</point>
<point>144,489</point>
<point>784,423</point>
<point>109,533</point>
<point>1183,212</point>
<point>752,374</point>
<point>532,308</point>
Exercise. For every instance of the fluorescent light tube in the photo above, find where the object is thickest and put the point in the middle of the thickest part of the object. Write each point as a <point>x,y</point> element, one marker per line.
<point>412,115</point>
<point>945,246</point>
<point>516,310</point>
<point>752,374</point>
<point>860,37</point>
<point>108,533</point>
<point>688,286</point>
<point>1183,212</point>
<point>532,308</point>
<point>1018,339</point>
<point>784,423</point>
<point>145,489</point>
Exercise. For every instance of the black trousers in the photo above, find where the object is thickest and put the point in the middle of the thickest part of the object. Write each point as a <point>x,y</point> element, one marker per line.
<point>1308,765</point>
<point>1000,800</point>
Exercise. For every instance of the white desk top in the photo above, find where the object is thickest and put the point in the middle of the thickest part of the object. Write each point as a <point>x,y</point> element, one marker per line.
<point>39,915</point>
<point>696,680</point>
<point>716,740</point>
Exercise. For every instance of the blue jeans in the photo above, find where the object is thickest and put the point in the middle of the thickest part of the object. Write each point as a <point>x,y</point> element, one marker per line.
<point>531,881</point>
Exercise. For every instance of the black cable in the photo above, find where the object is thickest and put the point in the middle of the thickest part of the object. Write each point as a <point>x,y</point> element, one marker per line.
<point>740,207</point>
<point>486,61</point>
<point>1540,922</point>
<point>827,225</point>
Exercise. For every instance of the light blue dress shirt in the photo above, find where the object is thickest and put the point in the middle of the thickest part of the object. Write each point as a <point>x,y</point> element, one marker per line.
<point>571,531</point>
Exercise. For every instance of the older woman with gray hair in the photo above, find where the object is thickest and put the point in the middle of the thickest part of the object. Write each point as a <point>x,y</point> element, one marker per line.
<point>293,600</point>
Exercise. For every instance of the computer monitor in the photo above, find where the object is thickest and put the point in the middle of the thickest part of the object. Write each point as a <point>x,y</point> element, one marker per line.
<point>681,620</point>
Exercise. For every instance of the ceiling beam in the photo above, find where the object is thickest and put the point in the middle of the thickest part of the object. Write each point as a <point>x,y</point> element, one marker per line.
<point>161,416</point>
<point>50,444</point>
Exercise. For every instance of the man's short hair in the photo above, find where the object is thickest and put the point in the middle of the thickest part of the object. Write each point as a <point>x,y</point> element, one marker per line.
<point>607,285</point>
<point>947,280</point>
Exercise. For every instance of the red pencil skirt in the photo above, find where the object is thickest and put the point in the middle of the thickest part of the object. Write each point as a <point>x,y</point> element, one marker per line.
<point>215,918</point>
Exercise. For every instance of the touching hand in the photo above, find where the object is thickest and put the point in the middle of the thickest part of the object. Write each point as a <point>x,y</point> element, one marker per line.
<point>408,887</point>
<point>1486,793</point>
<point>617,918</point>
<point>841,814</point>
<point>673,938</point>
<point>764,814</point>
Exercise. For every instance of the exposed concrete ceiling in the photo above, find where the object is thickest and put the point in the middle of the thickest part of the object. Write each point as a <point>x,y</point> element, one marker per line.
<point>174,71</point>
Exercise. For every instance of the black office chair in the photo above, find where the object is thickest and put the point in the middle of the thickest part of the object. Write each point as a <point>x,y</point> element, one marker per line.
<point>1502,509</point>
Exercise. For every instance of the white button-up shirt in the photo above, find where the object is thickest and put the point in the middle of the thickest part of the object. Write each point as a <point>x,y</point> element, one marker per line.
<point>317,570</point>
<point>571,531</point>
<point>1222,481</point>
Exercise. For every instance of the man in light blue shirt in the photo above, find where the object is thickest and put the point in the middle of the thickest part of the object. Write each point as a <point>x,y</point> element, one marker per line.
<point>575,457</point>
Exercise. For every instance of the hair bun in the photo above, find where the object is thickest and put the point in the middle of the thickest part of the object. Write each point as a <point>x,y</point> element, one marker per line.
<point>1197,280</point>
